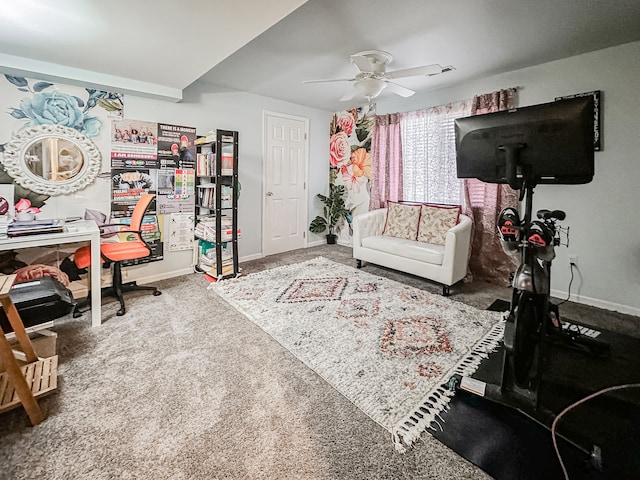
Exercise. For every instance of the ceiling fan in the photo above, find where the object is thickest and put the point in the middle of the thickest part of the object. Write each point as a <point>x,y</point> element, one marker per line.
<point>372,76</point>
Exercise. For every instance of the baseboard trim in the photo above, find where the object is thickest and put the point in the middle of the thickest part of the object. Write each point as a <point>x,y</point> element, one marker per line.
<point>595,302</point>
<point>161,276</point>
<point>248,258</point>
<point>316,243</point>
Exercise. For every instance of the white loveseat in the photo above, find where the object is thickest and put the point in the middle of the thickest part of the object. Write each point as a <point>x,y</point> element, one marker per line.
<point>445,264</point>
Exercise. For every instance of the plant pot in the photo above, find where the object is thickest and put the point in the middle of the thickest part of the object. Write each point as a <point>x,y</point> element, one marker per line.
<point>332,239</point>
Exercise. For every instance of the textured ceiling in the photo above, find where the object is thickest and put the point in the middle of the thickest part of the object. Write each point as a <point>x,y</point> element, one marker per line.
<point>158,48</point>
<point>153,47</point>
<point>479,38</point>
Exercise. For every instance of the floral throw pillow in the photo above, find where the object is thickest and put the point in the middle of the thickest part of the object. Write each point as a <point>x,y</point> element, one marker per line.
<point>402,221</point>
<point>435,222</point>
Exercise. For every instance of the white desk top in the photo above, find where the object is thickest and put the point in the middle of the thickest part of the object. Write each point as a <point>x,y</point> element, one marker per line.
<point>80,230</point>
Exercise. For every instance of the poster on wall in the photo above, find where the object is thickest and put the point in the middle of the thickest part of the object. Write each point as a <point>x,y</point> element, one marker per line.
<point>134,144</point>
<point>597,115</point>
<point>134,172</point>
<point>176,174</point>
<point>181,231</point>
<point>351,134</point>
<point>127,186</point>
<point>176,146</point>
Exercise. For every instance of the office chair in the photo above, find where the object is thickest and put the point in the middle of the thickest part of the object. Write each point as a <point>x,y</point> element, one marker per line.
<point>116,253</point>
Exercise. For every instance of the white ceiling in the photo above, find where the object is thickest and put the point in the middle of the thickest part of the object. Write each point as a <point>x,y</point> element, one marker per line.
<point>151,47</point>
<point>158,48</point>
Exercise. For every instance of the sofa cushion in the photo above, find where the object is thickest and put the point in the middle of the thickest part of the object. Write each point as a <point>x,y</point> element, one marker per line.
<point>402,221</point>
<point>435,222</point>
<point>419,251</point>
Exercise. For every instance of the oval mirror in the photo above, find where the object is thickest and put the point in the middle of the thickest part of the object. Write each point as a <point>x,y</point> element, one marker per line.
<point>52,159</point>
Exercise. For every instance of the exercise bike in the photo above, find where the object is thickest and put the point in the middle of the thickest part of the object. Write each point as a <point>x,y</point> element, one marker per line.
<point>533,322</point>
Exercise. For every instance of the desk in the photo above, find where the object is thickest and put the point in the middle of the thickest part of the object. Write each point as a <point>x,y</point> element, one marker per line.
<point>79,231</point>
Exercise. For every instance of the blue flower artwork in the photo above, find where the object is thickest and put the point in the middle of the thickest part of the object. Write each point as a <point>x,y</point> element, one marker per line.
<point>48,106</point>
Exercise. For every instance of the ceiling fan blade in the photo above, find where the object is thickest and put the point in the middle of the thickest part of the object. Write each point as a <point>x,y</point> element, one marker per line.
<point>433,69</point>
<point>348,96</point>
<point>399,89</point>
<point>330,80</point>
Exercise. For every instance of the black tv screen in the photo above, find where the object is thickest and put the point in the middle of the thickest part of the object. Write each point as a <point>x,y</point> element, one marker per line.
<point>550,143</point>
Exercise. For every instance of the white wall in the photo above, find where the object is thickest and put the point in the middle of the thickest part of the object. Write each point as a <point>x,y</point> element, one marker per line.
<point>603,215</point>
<point>207,107</point>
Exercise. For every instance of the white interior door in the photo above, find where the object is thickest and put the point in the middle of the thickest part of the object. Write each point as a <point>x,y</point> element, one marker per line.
<point>285,180</point>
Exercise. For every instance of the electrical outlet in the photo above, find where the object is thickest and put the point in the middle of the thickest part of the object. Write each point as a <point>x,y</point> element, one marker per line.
<point>573,259</point>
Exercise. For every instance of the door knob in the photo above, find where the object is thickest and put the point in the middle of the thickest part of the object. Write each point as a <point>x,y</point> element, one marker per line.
<point>269,194</point>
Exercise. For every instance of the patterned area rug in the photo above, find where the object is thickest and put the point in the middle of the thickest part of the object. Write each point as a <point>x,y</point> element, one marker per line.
<point>389,348</point>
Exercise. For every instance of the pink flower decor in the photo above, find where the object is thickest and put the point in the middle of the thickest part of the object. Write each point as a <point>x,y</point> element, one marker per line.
<point>24,205</point>
<point>361,162</point>
<point>339,149</point>
<point>352,181</point>
<point>346,122</point>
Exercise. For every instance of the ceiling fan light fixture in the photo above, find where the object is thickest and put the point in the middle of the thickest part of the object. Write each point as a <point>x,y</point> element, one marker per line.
<point>370,87</point>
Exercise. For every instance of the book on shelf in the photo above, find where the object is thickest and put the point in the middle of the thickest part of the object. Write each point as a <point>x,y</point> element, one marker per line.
<point>208,137</point>
<point>227,164</point>
<point>206,164</point>
<point>207,196</point>
<point>207,231</point>
<point>226,269</point>
<point>207,260</point>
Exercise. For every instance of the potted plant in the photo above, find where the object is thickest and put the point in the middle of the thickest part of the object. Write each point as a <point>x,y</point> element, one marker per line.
<point>334,211</point>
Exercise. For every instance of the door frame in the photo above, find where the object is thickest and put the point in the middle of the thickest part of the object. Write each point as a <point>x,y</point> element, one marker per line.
<point>270,113</point>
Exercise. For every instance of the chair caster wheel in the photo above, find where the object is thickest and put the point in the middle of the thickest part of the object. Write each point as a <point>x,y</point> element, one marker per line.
<point>157,293</point>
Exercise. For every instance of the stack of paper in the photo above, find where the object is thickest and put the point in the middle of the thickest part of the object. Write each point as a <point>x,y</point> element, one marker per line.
<point>35,227</point>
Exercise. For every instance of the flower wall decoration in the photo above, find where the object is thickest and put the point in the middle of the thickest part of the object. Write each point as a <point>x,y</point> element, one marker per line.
<point>24,206</point>
<point>48,106</point>
<point>350,158</point>
<point>31,103</point>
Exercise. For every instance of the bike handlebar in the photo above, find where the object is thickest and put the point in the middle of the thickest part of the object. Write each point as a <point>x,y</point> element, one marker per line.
<point>551,214</point>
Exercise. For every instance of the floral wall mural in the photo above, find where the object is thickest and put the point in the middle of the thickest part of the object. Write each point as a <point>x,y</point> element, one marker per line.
<point>31,103</point>
<point>47,105</point>
<point>350,160</point>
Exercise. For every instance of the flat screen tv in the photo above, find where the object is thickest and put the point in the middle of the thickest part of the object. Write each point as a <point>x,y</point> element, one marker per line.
<point>550,143</point>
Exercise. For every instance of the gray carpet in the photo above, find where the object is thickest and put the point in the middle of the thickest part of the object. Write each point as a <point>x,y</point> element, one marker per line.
<point>185,387</point>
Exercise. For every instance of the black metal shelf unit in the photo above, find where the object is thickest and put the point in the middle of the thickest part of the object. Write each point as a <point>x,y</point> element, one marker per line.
<point>217,170</point>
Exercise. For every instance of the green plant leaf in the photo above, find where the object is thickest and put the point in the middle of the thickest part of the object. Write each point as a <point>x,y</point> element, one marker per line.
<point>362,133</point>
<point>108,105</point>
<point>318,225</point>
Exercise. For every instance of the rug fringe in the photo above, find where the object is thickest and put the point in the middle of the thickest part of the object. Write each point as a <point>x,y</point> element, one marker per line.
<point>408,431</point>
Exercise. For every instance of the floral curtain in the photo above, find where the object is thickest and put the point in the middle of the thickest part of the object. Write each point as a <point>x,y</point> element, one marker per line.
<point>429,154</point>
<point>386,161</point>
<point>484,202</point>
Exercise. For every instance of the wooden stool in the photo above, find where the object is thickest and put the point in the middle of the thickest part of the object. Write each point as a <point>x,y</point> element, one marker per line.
<point>22,385</point>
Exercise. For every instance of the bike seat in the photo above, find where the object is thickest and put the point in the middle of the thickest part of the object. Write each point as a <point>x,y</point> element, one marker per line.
<point>548,214</point>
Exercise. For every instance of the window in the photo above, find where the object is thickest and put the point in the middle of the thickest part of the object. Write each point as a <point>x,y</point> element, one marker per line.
<point>429,154</point>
